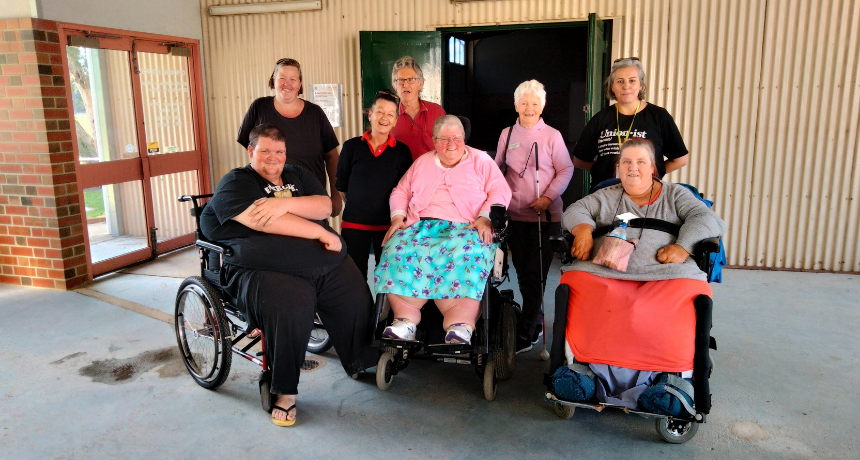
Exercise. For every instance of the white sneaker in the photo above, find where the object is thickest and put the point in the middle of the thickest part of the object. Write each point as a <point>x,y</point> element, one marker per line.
<point>400,329</point>
<point>460,333</point>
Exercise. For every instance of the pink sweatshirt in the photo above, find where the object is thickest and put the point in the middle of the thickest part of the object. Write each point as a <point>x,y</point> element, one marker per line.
<point>556,169</point>
<point>475,184</point>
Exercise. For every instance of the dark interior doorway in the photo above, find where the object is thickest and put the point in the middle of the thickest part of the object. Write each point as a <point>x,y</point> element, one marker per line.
<point>484,66</point>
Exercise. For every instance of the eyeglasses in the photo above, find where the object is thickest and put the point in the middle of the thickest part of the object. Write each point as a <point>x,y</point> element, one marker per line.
<point>632,58</point>
<point>403,81</point>
<point>448,140</point>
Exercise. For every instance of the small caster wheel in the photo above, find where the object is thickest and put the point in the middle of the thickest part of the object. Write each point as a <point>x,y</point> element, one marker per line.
<point>675,431</point>
<point>490,380</point>
<point>563,411</point>
<point>385,370</point>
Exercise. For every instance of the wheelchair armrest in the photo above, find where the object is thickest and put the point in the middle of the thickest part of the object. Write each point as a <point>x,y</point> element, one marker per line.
<point>561,245</point>
<point>219,248</point>
<point>498,217</point>
<point>702,253</point>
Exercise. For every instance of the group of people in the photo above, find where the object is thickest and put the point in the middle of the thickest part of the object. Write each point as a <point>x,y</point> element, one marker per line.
<point>418,197</point>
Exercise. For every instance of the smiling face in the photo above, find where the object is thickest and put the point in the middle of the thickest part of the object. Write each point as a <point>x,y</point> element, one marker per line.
<point>636,169</point>
<point>268,157</point>
<point>383,115</point>
<point>626,85</point>
<point>288,82</point>
<point>530,109</point>
<point>450,146</point>
<point>407,91</point>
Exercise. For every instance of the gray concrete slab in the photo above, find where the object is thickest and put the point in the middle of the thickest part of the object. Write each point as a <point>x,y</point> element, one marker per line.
<point>85,379</point>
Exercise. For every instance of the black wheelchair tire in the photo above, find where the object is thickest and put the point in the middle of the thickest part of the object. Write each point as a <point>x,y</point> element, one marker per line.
<point>490,386</point>
<point>267,399</point>
<point>197,302</point>
<point>563,411</point>
<point>505,358</point>
<point>319,342</point>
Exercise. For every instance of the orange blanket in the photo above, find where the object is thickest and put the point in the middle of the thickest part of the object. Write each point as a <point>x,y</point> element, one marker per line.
<point>648,326</point>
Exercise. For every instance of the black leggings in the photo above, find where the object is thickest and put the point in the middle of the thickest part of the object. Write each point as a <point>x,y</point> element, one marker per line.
<point>283,306</point>
<point>358,244</point>
<point>523,243</point>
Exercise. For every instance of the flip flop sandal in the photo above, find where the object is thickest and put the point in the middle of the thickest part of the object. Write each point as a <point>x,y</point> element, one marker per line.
<point>283,422</point>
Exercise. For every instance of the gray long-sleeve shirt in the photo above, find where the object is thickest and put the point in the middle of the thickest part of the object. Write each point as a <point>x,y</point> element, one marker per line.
<point>676,204</point>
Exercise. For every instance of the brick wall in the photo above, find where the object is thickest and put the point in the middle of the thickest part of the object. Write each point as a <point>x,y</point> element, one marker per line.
<point>41,234</point>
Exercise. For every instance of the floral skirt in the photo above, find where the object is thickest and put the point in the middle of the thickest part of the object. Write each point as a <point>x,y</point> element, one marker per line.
<point>435,259</point>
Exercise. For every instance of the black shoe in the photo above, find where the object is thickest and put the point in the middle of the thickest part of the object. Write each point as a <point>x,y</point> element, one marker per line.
<point>537,334</point>
<point>523,345</point>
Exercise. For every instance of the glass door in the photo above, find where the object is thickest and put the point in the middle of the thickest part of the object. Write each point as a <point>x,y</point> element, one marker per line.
<point>137,130</point>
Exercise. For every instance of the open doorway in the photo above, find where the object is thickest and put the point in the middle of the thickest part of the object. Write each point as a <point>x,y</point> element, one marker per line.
<point>483,66</point>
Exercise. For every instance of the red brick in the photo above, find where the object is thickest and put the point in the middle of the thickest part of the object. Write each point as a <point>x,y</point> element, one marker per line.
<point>53,254</point>
<point>6,125</point>
<point>54,114</point>
<point>17,92</point>
<point>15,169</point>
<point>44,169</point>
<point>5,220</point>
<point>20,114</point>
<point>12,24</point>
<point>29,179</point>
<point>25,271</point>
<point>38,242</point>
<point>27,57</point>
<point>13,69</point>
<point>41,263</point>
<point>44,283</point>
<point>32,103</point>
<point>10,280</point>
<point>19,251</point>
<point>75,261</point>
<point>16,210</point>
<point>59,136</point>
<point>24,137</point>
<point>44,24</point>
<point>50,233</point>
<point>8,147</point>
<point>57,91</point>
<point>5,104</point>
<point>42,47</point>
<point>65,178</point>
<point>31,80</point>
<point>26,158</point>
<point>45,191</point>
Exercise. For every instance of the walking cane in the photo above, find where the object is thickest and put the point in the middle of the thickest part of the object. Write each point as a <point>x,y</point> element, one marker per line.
<point>544,355</point>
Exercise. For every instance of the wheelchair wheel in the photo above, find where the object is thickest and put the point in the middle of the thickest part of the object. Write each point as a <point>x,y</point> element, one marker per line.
<point>490,380</point>
<point>563,411</point>
<point>385,370</point>
<point>675,431</point>
<point>320,341</point>
<point>202,332</point>
<point>505,358</point>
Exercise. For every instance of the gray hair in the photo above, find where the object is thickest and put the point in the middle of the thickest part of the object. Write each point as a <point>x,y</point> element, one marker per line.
<point>531,86</point>
<point>447,121</point>
<point>620,64</point>
<point>406,62</point>
<point>640,142</point>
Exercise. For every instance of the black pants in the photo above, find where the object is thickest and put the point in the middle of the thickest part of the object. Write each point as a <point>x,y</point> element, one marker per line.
<point>283,306</point>
<point>358,244</point>
<point>523,243</point>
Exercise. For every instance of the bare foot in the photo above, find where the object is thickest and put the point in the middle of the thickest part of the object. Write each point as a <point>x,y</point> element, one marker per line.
<point>284,401</point>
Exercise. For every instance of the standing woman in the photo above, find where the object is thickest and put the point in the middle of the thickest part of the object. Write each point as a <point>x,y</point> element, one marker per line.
<point>311,142</point>
<point>415,125</point>
<point>518,148</point>
<point>369,168</point>
<point>598,147</point>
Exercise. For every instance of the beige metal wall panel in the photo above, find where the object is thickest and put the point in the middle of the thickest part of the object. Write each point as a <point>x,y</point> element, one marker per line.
<point>764,93</point>
<point>805,160</point>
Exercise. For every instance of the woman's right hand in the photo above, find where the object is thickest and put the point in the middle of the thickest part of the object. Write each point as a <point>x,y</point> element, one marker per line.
<point>398,223</point>
<point>330,241</point>
<point>583,243</point>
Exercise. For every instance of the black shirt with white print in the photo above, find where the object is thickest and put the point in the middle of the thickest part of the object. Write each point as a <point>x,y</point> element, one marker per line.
<point>239,189</point>
<point>599,139</point>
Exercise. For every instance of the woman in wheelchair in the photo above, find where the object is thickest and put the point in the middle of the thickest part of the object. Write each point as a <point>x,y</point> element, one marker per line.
<point>286,264</point>
<point>628,324</point>
<point>440,244</point>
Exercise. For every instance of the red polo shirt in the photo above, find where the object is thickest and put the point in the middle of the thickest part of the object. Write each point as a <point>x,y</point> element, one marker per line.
<point>417,134</point>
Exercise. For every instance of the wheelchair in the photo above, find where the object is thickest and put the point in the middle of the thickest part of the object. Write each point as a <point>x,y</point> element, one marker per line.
<point>674,430</point>
<point>493,348</point>
<point>209,326</point>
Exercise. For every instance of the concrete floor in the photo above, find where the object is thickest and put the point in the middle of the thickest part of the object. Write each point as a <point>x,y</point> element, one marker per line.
<point>83,378</point>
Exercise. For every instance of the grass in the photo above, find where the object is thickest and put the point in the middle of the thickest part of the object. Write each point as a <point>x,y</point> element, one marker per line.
<point>94,202</point>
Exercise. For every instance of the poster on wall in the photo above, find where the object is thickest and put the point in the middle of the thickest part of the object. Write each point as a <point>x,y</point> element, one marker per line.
<point>330,98</point>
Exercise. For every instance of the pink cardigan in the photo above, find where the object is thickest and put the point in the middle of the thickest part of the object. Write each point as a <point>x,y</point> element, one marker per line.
<point>475,184</point>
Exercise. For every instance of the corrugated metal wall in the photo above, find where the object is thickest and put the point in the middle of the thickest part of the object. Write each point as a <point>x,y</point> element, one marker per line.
<point>765,94</point>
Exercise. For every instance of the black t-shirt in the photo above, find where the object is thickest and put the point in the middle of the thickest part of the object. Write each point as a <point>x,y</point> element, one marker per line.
<point>237,190</point>
<point>599,139</point>
<point>368,180</point>
<point>309,135</point>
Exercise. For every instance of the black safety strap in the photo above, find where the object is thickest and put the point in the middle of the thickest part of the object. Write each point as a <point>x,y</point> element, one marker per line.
<point>504,166</point>
<point>639,222</point>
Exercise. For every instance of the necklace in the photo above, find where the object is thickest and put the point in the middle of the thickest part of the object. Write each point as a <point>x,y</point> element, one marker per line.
<point>618,124</point>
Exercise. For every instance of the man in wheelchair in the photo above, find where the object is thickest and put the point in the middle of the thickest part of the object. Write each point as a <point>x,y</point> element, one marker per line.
<point>287,263</point>
<point>631,298</point>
